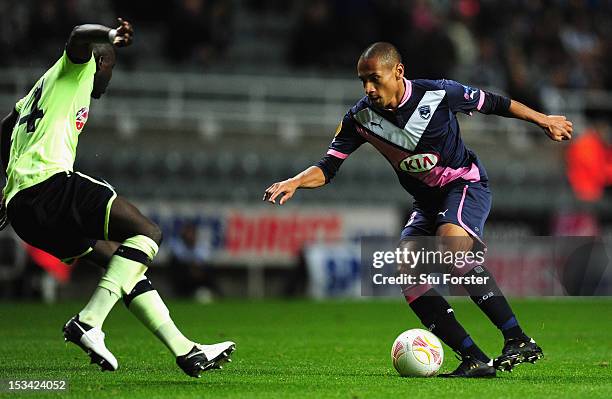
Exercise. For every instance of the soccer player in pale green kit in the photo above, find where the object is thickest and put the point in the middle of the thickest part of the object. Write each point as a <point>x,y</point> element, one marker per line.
<point>71,215</point>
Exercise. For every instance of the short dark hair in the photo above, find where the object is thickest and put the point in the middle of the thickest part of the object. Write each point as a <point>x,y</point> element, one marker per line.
<point>383,51</point>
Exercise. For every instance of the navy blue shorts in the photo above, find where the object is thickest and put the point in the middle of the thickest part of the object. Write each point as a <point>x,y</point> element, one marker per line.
<point>465,204</point>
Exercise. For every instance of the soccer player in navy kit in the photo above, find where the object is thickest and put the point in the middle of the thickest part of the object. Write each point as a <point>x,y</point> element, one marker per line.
<point>413,125</point>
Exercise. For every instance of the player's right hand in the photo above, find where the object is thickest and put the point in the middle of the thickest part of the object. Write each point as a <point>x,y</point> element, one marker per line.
<point>125,32</point>
<point>285,188</point>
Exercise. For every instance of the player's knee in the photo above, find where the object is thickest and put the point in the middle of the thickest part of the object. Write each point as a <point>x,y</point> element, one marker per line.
<point>454,238</point>
<point>155,233</point>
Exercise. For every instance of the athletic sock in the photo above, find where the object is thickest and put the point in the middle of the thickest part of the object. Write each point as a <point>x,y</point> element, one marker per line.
<point>99,306</point>
<point>511,329</point>
<point>492,302</point>
<point>146,304</point>
<point>125,269</point>
<point>469,348</point>
<point>437,315</point>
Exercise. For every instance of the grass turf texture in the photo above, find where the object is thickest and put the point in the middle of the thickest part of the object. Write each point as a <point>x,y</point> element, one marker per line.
<point>307,349</point>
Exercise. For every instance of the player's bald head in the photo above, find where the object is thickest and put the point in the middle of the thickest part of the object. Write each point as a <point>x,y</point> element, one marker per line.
<point>105,51</point>
<point>383,52</point>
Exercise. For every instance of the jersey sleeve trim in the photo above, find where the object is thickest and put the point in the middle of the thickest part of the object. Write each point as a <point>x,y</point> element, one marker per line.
<point>481,100</point>
<point>337,154</point>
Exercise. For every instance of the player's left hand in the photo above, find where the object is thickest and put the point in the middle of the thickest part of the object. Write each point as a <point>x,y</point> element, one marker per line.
<point>125,33</point>
<point>558,128</point>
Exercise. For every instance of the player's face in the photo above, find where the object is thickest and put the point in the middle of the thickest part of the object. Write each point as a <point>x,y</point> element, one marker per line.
<point>104,73</point>
<point>383,83</point>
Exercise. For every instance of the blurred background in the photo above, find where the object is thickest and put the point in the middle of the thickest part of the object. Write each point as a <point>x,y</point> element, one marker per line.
<point>217,99</point>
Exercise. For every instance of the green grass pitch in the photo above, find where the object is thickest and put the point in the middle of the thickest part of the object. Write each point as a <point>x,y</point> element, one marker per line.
<point>306,349</point>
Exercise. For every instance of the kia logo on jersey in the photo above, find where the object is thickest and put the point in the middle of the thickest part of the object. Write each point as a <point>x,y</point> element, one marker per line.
<point>425,111</point>
<point>419,163</point>
<point>81,117</point>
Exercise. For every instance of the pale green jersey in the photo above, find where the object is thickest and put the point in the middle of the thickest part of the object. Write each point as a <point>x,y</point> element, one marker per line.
<point>51,117</point>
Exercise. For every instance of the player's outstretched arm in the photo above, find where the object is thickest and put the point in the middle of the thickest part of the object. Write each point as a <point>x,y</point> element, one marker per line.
<point>83,37</point>
<point>312,177</point>
<point>557,127</point>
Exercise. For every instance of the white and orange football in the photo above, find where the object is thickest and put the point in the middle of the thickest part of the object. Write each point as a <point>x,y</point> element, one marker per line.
<point>417,353</point>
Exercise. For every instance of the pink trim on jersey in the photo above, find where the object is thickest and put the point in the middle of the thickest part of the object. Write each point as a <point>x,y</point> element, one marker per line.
<point>481,100</point>
<point>442,175</point>
<point>461,221</point>
<point>337,154</point>
<point>407,92</point>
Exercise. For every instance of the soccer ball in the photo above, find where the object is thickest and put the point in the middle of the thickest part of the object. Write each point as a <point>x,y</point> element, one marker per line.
<point>417,353</point>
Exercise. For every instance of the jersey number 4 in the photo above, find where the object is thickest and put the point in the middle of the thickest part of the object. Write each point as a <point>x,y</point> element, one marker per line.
<point>35,112</point>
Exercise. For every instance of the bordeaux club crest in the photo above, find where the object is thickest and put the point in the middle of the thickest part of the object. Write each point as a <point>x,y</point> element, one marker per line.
<point>425,111</point>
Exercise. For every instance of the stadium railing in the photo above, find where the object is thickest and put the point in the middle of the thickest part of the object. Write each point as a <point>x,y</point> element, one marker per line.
<point>284,106</point>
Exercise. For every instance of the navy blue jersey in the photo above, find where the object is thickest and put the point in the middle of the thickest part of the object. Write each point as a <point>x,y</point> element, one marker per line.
<point>420,139</point>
